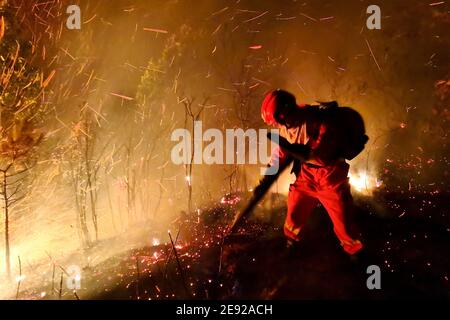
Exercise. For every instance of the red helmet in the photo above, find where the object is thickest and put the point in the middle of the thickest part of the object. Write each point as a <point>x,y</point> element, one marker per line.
<point>273,101</point>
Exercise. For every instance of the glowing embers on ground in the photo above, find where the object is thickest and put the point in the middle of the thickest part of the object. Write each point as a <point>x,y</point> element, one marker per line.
<point>230,199</point>
<point>363,182</point>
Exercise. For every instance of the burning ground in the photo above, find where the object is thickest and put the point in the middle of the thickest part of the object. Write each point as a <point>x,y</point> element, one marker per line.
<point>411,251</point>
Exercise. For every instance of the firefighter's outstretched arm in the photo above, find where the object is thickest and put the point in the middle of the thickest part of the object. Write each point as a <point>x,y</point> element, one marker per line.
<point>298,151</point>
<point>282,156</point>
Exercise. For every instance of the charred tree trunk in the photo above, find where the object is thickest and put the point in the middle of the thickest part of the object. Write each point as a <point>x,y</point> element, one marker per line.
<point>6,209</point>
<point>92,203</point>
<point>111,208</point>
<point>80,202</point>
<point>130,185</point>
<point>89,173</point>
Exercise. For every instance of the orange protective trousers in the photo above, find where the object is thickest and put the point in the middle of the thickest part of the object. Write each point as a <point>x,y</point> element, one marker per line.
<point>328,185</point>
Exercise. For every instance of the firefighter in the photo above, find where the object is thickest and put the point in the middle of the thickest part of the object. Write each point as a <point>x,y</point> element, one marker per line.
<point>323,176</point>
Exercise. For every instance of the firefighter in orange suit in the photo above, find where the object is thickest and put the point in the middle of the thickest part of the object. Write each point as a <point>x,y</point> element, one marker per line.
<point>323,176</point>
